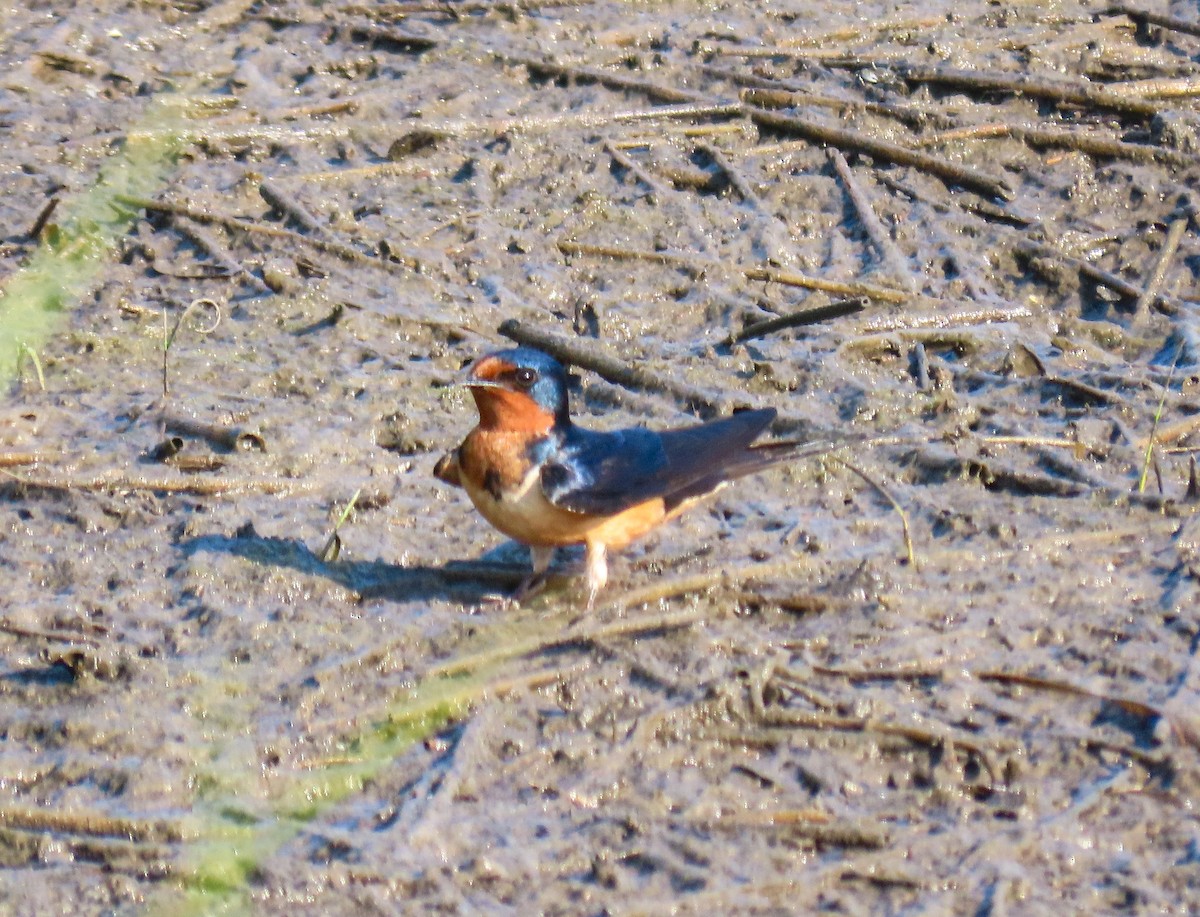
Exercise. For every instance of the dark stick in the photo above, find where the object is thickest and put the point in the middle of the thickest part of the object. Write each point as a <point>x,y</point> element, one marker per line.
<point>1167,22</point>
<point>618,372</point>
<point>43,218</point>
<point>290,207</point>
<point>1103,146</point>
<point>838,309</point>
<point>1034,249</point>
<point>1082,94</point>
<point>609,79</point>
<point>841,137</point>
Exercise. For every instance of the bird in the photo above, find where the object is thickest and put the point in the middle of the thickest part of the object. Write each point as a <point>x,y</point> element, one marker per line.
<point>545,482</point>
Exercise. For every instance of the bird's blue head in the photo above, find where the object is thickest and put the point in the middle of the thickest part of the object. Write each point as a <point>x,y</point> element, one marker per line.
<point>519,389</point>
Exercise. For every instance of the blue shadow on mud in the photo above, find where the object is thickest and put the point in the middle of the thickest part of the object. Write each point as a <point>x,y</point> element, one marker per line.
<point>466,581</point>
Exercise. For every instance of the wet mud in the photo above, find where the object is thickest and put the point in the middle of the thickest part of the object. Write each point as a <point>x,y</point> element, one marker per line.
<point>949,667</point>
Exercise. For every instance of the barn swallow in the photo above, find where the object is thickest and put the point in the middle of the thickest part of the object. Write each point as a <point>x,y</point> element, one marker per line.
<point>543,481</point>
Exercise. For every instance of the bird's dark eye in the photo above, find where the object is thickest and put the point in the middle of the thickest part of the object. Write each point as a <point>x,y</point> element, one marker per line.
<point>525,376</point>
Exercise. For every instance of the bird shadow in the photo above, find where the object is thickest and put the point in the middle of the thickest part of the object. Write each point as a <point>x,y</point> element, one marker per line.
<point>459,581</point>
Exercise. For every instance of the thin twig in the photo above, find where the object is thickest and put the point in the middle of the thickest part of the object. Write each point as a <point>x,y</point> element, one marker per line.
<point>747,194</point>
<point>770,93</point>
<point>53,636</point>
<point>211,246</point>
<point>1034,249</point>
<point>1150,440</point>
<point>770,274</point>
<point>1073,93</point>
<point>657,191</point>
<point>871,223</point>
<point>887,495</point>
<point>950,172</point>
<point>347,252</point>
<point>288,205</point>
<point>993,474</point>
<point>573,636</point>
<point>1158,275</point>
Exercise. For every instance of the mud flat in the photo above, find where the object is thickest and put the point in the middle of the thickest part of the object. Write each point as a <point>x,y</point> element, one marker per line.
<point>954,668</point>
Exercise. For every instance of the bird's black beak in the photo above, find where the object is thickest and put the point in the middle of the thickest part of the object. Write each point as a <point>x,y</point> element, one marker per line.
<point>466,378</point>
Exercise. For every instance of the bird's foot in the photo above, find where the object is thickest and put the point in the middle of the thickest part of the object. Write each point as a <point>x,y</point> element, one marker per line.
<point>492,602</point>
<point>528,587</point>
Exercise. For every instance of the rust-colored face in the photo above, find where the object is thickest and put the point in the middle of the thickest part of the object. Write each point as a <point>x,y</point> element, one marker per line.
<point>490,370</point>
<point>504,399</point>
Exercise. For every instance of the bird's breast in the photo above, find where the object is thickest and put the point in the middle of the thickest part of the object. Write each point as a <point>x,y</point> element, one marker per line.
<point>500,474</point>
<point>504,482</point>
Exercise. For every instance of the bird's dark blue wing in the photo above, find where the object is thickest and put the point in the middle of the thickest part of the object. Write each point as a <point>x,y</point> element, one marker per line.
<point>605,473</point>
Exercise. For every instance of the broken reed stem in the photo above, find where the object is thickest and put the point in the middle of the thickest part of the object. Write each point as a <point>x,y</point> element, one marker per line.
<point>52,636</point>
<point>771,93</point>
<point>844,138</point>
<point>93,824</point>
<point>340,249</point>
<point>718,158</point>
<point>698,266</point>
<point>1183,88</point>
<point>287,204</point>
<point>1073,93</point>
<point>871,223</point>
<point>1093,145</point>
<point>968,132</point>
<point>211,246</point>
<point>626,162</point>
<point>1030,248</point>
<point>929,326</point>
<point>1159,273</point>
<point>117,481</point>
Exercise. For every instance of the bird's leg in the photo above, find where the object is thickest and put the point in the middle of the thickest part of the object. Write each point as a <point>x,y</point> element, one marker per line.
<point>542,557</point>
<point>597,570</point>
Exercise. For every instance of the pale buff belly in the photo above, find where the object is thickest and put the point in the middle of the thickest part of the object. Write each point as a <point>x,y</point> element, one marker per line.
<point>524,514</point>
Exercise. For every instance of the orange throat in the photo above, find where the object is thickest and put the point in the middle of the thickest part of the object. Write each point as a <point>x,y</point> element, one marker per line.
<point>500,409</point>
